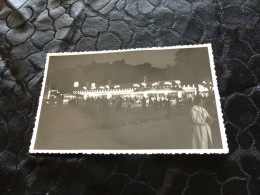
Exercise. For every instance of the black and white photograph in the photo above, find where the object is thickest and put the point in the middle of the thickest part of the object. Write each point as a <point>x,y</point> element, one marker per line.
<point>153,100</point>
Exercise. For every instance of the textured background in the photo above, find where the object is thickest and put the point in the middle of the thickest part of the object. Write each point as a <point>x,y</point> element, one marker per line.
<point>29,29</point>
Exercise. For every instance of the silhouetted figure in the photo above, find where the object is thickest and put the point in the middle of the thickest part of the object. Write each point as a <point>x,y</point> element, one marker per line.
<point>155,104</point>
<point>143,103</point>
<point>160,103</point>
<point>113,102</point>
<point>150,102</point>
<point>104,104</point>
<point>99,104</point>
<point>73,102</point>
<point>167,106</point>
<point>129,104</point>
<point>119,102</point>
<point>177,102</point>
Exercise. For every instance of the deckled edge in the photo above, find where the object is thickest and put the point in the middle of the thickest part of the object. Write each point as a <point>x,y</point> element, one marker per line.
<point>217,99</point>
<point>223,150</point>
<point>36,123</point>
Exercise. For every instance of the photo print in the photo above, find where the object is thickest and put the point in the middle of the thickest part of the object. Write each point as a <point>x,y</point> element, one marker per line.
<point>136,101</point>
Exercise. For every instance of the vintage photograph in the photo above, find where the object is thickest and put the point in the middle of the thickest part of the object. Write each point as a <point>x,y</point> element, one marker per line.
<point>153,100</point>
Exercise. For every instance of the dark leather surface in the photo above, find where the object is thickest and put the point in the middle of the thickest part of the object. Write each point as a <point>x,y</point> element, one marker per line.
<point>29,29</point>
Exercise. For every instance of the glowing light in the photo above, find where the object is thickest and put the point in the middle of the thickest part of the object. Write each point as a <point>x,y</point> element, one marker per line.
<point>76,84</point>
<point>204,82</point>
<point>136,85</point>
<point>189,88</point>
<point>93,85</point>
<point>167,83</point>
<point>160,91</point>
<point>117,86</point>
<point>202,88</point>
<point>155,84</point>
<point>101,87</point>
<point>178,82</point>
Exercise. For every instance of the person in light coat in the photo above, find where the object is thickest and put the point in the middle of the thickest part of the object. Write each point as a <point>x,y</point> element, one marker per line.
<point>201,136</point>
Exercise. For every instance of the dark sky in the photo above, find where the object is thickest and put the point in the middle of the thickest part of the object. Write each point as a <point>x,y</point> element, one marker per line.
<point>189,64</point>
<point>157,58</point>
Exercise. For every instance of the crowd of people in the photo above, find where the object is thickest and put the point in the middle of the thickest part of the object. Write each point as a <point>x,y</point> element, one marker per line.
<point>118,103</point>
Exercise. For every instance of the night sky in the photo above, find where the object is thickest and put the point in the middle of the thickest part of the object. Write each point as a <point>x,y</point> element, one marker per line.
<point>157,58</point>
<point>189,65</point>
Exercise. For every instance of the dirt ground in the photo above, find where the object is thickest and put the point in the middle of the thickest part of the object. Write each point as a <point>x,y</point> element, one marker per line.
<point>70,127</point>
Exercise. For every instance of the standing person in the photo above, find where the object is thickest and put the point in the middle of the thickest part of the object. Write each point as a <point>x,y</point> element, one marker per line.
<point>128,102</point>
<point>201,136</point>
<point>105,103</point>
<point>160,103</point>
<point>119,103</point>
<point>114,102</point>
<point>143,103</point>
<point>150,102</point>
<point>177,102</point>
<point>98,103</point>
<point>155,103</point>
<point>167,106</point>
<point>163,103</point>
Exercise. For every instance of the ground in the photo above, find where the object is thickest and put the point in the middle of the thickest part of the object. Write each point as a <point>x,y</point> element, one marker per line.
<point>71,127</point>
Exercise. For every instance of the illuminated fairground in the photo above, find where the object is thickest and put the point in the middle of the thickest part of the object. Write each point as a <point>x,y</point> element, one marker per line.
<point>160,90</point>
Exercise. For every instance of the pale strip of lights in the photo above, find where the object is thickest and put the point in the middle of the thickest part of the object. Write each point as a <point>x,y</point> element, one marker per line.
<point>120,92</point>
